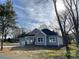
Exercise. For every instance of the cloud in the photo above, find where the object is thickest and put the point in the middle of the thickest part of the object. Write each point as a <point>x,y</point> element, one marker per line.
<point>33,13</point>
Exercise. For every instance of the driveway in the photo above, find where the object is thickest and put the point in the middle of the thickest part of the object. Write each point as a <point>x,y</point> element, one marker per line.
<point>12,57</point>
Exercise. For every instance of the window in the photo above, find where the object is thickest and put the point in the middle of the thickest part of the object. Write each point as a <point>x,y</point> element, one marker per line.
<point>52,40</point>
<point>40,39</point>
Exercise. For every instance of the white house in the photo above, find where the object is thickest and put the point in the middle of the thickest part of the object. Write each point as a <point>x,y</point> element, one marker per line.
<point>43,37</point>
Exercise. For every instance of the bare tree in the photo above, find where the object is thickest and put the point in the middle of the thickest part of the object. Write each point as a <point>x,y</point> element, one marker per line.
<point>63,26</point>
<point>72,6</point>
<point>62,21</point>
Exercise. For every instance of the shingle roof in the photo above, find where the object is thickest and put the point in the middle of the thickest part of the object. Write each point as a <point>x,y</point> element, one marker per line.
<point>37,31</point>
<point>48,32</point>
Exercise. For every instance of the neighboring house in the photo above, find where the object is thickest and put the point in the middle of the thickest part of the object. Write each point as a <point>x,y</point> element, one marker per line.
<point>43,37</point>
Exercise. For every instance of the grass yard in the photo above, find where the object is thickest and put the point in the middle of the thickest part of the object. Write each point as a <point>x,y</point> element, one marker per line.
<point>39,52</point>
<point>10,44</point>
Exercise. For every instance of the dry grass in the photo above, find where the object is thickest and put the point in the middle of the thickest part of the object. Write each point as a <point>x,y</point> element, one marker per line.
<point>36,52</point>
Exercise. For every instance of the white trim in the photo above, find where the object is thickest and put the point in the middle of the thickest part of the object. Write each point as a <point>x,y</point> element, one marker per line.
<point>45,40</point>
<point>58,41</point>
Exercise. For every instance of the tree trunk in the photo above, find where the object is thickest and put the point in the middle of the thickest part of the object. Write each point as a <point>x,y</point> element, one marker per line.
<point>2,43</point>
<point>5,38</point>
<point>65,37</point>
<point>77,39</point>
<point>66,42</point>
<point>68,52</point>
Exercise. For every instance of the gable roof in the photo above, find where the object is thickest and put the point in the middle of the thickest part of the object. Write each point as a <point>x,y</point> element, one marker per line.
<point>35,32</point>
<point>48,32</point>
<point>38,32</point>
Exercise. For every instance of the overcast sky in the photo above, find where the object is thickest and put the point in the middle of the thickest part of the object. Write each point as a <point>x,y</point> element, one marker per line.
<point>32,13</point>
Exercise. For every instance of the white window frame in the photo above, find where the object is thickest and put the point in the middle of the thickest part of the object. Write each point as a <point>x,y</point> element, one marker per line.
<point>40,39</point>
<point>52,39</point>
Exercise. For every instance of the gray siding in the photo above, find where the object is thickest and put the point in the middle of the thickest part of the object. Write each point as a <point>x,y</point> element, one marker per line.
<point>29,39</point>
<point>40,34</point>
<point>40,43</point>
<point>22,41</point>
<point>52,43</point>
<point>60,41</point>
<point>45,39</point>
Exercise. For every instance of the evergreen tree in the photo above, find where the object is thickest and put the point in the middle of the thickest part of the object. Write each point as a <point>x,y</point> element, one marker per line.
<point>7,19</point>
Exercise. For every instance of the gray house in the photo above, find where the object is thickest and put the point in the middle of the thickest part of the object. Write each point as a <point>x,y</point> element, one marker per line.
<point>43,37</point>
